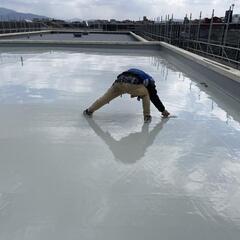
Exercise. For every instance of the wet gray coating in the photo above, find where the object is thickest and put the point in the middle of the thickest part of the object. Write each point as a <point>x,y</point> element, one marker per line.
<point>71,37</point>
<point>64,176</point>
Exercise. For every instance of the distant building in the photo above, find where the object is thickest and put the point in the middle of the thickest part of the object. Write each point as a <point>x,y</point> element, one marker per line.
<point>186,20</point>
<point>127,21</point>
<point>206,20</point>
<point>215,20</point>
<point>236,18</point>
<point>113,20</point>
<point>145,19</point>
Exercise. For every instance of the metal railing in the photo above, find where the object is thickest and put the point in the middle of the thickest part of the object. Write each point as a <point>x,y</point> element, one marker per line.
<point>220,41</point>
<point>21,26</point>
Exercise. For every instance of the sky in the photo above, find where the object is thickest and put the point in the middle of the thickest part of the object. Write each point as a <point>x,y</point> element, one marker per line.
<point>120,9</point>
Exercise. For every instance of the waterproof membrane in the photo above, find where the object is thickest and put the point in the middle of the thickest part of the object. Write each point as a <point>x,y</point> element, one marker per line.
<point>65,176</point>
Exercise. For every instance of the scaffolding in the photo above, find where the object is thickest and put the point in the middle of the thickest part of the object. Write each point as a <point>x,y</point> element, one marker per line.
<point>217,40</point>
<point>213,39</point>
<point>21,25</point>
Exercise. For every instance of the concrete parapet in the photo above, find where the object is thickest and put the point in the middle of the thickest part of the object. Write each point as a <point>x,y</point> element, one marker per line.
<point>5,35</point>
<point>222,69</point>
<point>102,44</point>
<point>141,39</point>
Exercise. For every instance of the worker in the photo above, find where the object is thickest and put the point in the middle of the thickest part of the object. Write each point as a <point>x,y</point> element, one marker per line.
<point>138,84</point>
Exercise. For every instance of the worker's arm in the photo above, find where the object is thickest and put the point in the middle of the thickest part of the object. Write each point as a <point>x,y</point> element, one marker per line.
<point>156,100</point>
<point>151,87</point>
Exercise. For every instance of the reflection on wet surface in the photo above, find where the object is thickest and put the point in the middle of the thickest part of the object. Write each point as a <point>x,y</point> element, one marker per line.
<point>131,148</point>
<point>70,37</point>
<point>64,176</point>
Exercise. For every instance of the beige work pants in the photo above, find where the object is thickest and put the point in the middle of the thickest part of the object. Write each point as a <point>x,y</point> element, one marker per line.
<point>118,89</point>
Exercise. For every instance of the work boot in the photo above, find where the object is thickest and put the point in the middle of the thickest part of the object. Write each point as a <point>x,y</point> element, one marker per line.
<point>147,118</point>
<point>87,113</point>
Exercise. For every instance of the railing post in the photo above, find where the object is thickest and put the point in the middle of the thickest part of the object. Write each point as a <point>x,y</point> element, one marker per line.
<point>210,30</point>
<point>227,26</point>
<point>161,29</point>
<point>165,28</point>
<point>8,26</point>
<point>237,55</point>
<point>199,25</point>
<point>185,29</point>
<point>168,24</point>
<point>189,30</point>
<point>20,25</point>
<point>171,29</point>
<point>15,25</point>
<point>25,26</point>
<point>2,31</point>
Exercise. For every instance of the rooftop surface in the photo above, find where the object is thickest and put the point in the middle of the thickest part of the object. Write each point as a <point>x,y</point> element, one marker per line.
<point>64,176</point>
<point>70,36</point>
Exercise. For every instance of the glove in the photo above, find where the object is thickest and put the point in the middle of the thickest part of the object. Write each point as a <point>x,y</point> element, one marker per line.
<point>165,113</point>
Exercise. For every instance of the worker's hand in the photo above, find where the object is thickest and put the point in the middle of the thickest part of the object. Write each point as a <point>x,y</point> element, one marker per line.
<point>138,98</point>
<point>165,113</point>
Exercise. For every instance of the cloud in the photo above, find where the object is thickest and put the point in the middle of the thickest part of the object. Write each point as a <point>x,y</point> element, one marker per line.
<point>120,9</point>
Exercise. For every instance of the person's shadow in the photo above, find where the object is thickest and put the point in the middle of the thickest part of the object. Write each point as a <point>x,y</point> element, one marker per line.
<point>131,148</point>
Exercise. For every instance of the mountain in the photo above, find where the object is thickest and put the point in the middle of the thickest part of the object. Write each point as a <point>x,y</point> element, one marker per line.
<point>8,14</point>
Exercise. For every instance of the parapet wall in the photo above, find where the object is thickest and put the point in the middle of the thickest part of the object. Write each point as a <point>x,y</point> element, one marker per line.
<point>222,69</point>
<point>226,77</point>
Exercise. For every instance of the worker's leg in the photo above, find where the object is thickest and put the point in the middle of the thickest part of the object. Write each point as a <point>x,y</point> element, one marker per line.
<point>146,105</point>
<point>113,92</point>
<point>141,91</point>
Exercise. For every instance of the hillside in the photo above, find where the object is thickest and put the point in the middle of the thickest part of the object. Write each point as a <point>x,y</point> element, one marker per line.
<point>8,14</point>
